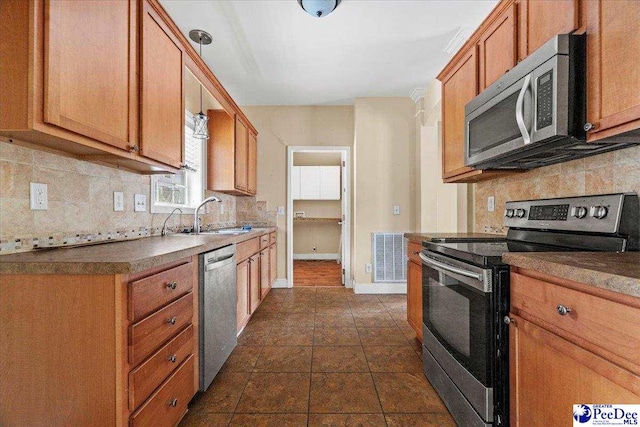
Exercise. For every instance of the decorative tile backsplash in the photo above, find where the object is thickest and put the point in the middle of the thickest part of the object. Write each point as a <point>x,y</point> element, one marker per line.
<point>81,203</point>
<point>614,172</point>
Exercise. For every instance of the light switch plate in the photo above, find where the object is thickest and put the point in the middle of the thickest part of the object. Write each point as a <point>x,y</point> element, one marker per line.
<point>118,201</point>
<point>491,203</point>
<point>39,200</point>
<point>396,210</point>
<point>281,210</point>
<point>367,268</point>
<point>140,202</point>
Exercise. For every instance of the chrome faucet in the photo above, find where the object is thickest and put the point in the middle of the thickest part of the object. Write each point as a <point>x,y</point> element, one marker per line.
<point>196,224</point>
<point>164,226</point>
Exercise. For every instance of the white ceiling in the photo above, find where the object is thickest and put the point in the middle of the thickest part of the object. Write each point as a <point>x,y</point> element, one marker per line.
<point>270,52</point>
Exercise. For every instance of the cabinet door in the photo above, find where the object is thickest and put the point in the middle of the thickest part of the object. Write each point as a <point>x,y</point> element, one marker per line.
<point>162,101</point>
<point>265,272</point>
<point>414,297</point>
<point>295,182</point>
<point>90,83</point>
<point>309,182</point>
<point>540,20</point>
<point>613,55</point>
<point>254,282</point>
<point>497,48</point>
<point>252,165</point>
<point>548,375</point>
<point>242,156</point>
<point>242,293</point>
<point>460,87</point>
<point>273,264</point>
<point>330,182</point>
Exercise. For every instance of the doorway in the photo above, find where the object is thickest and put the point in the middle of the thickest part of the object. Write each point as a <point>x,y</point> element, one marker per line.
<point>318,216</point>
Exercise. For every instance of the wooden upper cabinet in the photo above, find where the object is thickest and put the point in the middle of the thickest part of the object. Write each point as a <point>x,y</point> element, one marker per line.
<point>87,58</point>
<point>613,78</point>
<point>241,156</point>
<point>162,102</point>
<point>252,164</point>
<point>540,20</point>
<point>458,88</point>
<point>497,48</point>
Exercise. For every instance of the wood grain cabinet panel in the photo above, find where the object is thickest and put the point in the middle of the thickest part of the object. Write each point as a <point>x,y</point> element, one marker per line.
<point>497,48</point>
<point>241,156</point>
<point>613,55</point>
<point>252,164</point>
<point>242,293</point>
<point>265,273</point>
<point>273,263</point>
<point>414,297</point>
<point>162,100</point>
<point>540,20</point>
<point>254,283</point>
<point>87,65</point>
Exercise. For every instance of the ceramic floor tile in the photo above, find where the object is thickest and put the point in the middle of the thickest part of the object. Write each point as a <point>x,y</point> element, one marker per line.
<point>289,319</point>
<point>205,419</point>
<point>223,393</point>
<point>284,359</point>
<point>343,393</point>
<point>291,336</point>
<point>344,320</point>
<point>406,393</point>
<point>275,393</point>
<point>420,420</point>
<point>269,420</point>
<point>242,359</point>
<point>346,420</point>
<point>393,359</point>
<point>382,336</point>
<point>254,335</point>
<point>336,336</point>
<point>374,320</point>
<point>339,359</point>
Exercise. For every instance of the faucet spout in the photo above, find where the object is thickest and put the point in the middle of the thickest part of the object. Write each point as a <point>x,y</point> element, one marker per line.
<point>164,226</point>
<point>196,225</point>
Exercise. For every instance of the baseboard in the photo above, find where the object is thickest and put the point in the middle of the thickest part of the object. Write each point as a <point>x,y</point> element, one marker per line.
<point>380,288</point>
<point>280,283</point>
<point>316,256</point>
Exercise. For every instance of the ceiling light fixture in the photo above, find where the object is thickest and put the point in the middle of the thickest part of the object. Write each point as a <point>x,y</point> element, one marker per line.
<point>319,8</point>
<point>200,129</point>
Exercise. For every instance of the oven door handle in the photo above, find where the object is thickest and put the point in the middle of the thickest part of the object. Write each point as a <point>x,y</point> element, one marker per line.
<point>449,268</point>
<point>526,137</point>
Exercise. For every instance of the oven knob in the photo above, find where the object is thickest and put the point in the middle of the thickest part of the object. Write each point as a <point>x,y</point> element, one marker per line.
<point>509,213</point>
<point>520,213</point>
<point>578,212</point>
<point>598,212</point>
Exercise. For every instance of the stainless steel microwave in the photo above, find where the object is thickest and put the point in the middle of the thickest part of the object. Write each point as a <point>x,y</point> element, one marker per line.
<point>534,115</point>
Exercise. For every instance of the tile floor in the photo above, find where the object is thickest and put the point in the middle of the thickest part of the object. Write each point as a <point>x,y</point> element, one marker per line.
<point>323,357</point>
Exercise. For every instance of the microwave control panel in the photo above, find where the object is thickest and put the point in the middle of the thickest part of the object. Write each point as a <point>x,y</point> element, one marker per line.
<point>544,101</point>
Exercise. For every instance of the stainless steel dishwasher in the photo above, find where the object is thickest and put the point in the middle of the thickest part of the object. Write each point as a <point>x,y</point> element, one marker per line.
<point>217,301</point>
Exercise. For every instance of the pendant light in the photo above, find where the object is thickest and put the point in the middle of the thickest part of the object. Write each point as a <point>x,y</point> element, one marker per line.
<point>319,8</point>
<point>200,129</point>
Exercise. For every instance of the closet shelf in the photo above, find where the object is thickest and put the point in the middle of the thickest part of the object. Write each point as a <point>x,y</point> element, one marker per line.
<point>318,219</point>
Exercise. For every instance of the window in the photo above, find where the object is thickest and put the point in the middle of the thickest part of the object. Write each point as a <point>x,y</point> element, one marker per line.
<point>184,190</point>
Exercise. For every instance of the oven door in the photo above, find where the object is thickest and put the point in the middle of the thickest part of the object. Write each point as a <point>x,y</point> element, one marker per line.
<point>458,329</point>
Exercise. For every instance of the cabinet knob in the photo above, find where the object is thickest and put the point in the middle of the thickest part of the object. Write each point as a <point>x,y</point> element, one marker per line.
<point>173,320</point>
<point>509,320</point>
<point>172,285</point>
<point>173,403</point>
<point>563,310</point>
<point>589,127</point>
<point>172,358</point>
<point>133,148</point>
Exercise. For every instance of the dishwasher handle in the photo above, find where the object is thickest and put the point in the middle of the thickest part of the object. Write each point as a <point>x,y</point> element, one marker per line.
<point>219,263</point>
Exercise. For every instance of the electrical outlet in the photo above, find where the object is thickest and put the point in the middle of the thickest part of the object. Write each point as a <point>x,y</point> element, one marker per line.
<point>139,202</point>
<point>38,196</point>
<point>281,210</point>
<point>367,268</point>
<point>491,204</point>
<point>396,210</point>
<point>118,201</point>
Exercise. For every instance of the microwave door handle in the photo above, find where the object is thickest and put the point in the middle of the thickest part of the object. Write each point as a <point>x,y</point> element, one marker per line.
<point>520,111</point>
<point>449,268</point>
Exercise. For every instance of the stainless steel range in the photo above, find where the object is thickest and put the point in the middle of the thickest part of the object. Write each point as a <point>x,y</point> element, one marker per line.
<point>465,288</point>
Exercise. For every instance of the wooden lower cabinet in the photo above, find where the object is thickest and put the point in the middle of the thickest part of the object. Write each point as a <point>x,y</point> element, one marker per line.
<point>70,355</point>
<point>414,297</point>
<point>242,293</point>
<point>265,272</point>
<point>589,355</point>
<point>255,296</point>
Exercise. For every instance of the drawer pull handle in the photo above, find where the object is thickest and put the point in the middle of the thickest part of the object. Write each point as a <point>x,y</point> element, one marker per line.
<point>172,285</point>
<point>173,403</point>
<point>509,320</point>
<point>173,320</point>
<point>173,358</point>
<point>563,310</point>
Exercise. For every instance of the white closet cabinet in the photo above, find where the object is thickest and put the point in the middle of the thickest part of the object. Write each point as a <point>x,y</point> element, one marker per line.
<point>315,182</point>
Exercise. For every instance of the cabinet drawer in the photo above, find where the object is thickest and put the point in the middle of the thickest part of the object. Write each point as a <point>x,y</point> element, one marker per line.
<point>151,332</point>
<point>148,376</point>
<point>272,238</point>
<point>247,248</point>
<point>413,249</point>
<point>148,294</point>
<point>264,241</point>
<point>594,321</point>
<point>169,404</point>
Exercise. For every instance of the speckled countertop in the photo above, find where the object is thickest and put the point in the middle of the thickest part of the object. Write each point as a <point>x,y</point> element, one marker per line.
<point>120,257</point>
<point>617,272</point>
<point>431,237</point>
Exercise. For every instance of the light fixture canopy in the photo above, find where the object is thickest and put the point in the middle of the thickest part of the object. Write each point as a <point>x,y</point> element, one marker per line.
<point>319,8</point>
<point>200,120</point>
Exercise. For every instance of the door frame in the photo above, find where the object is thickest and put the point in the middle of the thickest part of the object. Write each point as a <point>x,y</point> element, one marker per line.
<point>345,152</point>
